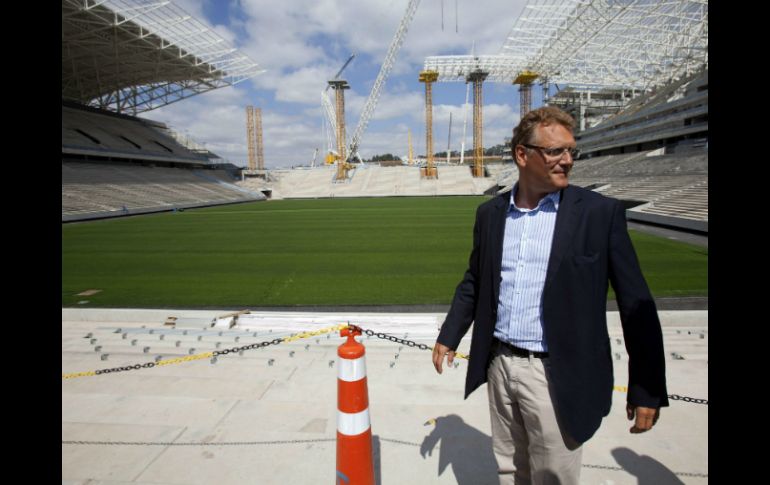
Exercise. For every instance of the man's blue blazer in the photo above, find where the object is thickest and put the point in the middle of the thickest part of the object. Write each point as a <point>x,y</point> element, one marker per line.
<point>591,248</point>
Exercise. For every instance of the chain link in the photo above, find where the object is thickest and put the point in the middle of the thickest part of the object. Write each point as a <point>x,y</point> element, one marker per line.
<point>205,355</point>
<point>463,356</point>
<point>394,339</point>
<point>676,397</point>
<point>276,341</point>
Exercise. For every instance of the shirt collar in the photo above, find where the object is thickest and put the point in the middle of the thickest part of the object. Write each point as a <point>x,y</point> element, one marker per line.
<point>553,197</point>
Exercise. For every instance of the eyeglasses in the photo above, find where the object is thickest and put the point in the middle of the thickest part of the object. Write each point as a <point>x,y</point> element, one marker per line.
<point>556,153</point>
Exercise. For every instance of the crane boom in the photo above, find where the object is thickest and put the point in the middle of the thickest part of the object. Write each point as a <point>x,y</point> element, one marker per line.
<point>387,66</point>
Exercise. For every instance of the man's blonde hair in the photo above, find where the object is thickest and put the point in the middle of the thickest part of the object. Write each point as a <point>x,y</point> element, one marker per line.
<point>525,131</point>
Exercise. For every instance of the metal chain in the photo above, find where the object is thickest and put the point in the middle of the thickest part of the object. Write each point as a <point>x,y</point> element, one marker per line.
<point>425,347</point>
<point>206,355</point>
<point>676,397</point>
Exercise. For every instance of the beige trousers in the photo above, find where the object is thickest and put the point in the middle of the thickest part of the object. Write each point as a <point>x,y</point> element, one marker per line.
<point>528,444</point>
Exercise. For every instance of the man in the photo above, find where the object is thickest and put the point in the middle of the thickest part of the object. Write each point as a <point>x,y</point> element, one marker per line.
<point>536,289</point>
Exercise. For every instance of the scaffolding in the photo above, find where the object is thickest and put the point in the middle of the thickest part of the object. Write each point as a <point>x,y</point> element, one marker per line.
<point>254,138</point>
<point>339,86</point>
<point>477,78</point>
<point>428,77</point>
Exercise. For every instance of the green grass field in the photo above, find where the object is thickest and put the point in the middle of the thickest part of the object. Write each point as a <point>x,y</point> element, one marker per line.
<point>382,251</point>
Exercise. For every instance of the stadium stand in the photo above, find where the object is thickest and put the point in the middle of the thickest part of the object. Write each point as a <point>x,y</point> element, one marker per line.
<point>669,190</point>
<point>675,116</point>
<point>96,190</point>
<point>370,181</point>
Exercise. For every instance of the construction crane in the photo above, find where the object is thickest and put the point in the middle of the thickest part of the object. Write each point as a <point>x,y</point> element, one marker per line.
<point>332,144</point>
<point>387,66</point>
<point>315,155</point>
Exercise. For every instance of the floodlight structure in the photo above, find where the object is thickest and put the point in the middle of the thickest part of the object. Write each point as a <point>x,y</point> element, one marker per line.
<point>592,45</point>
<point>428,77</point>
<point>132,56</point>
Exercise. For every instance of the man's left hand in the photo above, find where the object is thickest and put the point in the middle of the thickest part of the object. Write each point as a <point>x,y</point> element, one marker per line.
<point>645,417</point>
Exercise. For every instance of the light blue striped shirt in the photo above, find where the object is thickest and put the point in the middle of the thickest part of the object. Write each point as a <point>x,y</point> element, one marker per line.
<point>526,250</point>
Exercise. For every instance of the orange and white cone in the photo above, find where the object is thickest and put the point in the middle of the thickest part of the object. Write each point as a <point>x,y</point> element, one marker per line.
<point>354,433</point>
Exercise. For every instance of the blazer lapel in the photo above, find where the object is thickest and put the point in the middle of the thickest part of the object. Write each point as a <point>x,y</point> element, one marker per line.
<point>567,219</point>
<point>497,234</point>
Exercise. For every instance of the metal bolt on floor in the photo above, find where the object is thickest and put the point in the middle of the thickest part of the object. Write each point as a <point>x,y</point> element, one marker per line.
<point>237,339</point>
<point>152,331</point>
<point>104,356</point>
<point>214,360</point>
<point>191,351</point>
<point>200,337</point>
<point>184,332</point>
<point>89,335</point>
<point>125,336</point>
<point>97,348</point>
<point>93,341</point>
<point>120,330</point>
<point>392,364</point>
<point>146,350</point>
<point>158,358</point>
<point>219,344</point>
<point>291,354</point>
<point>396,357</point>
<point>270,362</point>
<point>162,337</point>
<point>331,363</point>
<point>307,347</point>
<point>133,342</point>
<point>178,343</point>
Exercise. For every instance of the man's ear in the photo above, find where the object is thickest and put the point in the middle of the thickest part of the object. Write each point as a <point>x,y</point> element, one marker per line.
<point>520,155</point>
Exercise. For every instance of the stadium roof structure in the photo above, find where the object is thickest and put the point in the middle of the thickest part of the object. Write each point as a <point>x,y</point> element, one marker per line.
<point>131,56</point>
<point>595,44</point>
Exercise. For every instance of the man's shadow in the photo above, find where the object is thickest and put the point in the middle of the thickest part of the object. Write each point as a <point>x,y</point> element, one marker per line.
<point>467,449</point>
<point>647,470</point>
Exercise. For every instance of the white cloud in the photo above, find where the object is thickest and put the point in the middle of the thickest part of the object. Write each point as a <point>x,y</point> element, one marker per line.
<point>303,43</point>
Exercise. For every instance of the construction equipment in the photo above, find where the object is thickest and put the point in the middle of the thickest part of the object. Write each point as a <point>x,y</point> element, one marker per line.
<point>524,80</point>
<point>254,138</point>
<point>315,155</point>
<point>428,77</point>
<point>339,86</point>
<point>477,78</point>
<point>332,144</point>
<point>387,66</point>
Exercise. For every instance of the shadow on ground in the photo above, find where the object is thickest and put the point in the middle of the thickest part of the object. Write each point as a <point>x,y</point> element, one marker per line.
<point>647,470</point>
<point>467,450</point>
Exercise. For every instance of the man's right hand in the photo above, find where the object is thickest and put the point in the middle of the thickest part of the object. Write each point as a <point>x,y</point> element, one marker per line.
<point>439,351</point>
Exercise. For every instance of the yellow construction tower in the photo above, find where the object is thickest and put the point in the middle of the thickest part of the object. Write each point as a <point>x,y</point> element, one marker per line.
<point>524,80</point>
<point>429,77</point>
<point>254,138</point>
<point>339,86</point>
<point>477,78</point>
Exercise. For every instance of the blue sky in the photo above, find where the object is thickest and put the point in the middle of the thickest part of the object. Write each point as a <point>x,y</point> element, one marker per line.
<point>302,43</point>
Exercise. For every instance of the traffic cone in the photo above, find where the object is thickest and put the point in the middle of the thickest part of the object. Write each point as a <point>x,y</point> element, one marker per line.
<point>354,433</point>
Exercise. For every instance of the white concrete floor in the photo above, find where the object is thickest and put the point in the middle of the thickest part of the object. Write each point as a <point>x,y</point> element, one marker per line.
<point>269,416</point>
